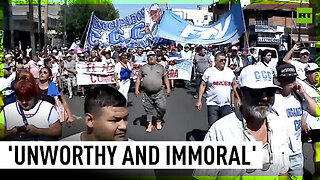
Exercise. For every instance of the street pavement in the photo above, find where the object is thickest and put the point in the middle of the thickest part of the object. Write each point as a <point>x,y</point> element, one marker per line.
<point>182,122</point>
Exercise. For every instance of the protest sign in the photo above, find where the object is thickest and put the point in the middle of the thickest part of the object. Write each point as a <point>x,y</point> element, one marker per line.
<point>90,73</point>
<point>180,69</point>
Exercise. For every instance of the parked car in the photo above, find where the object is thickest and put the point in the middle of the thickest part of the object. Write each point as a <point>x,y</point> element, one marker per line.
<point>274,56</point>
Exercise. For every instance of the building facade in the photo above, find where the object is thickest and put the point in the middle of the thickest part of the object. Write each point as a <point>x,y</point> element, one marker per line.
<point>275,25</point>
<point>17,24</point>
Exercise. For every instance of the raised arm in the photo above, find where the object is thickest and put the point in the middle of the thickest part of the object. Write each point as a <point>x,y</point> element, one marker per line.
<point>287,57</point>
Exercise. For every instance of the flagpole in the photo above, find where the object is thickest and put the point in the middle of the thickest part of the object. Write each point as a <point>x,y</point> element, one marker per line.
<point>245,29</point>
<point>85,42</point>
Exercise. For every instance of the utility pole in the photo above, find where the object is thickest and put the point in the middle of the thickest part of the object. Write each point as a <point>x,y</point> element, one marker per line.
<point>39,25</point>
<point>11,24</point>
<point>31,28</point>
<point>299,36</point>
<point>65,24</point>
<point>45,27</point>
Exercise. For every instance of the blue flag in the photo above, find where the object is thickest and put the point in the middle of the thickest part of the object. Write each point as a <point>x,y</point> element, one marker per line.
<point>227,30</point>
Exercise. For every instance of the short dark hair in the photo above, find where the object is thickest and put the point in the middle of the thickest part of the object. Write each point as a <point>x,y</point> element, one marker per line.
<point>103,96</point>
<point>219,54</point>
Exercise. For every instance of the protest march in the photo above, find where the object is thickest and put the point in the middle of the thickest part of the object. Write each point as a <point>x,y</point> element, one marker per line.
<point>244,90</point>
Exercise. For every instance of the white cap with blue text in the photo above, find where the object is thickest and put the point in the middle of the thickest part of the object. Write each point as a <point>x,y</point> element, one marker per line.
<point>256,77</point>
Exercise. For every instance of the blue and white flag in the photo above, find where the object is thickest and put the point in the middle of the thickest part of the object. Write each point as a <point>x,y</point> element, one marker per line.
<point>126,32</point>
<point>228,29</point>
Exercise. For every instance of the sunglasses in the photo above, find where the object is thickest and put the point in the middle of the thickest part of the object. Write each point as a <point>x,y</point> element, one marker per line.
<point>259,92</point>
<point>222,60</point>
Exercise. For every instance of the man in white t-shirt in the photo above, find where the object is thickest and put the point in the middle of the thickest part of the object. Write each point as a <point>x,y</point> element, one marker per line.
<point>290,102</point>
<point>300,64</point>
<point>218,80</point>
<point>254,122</point>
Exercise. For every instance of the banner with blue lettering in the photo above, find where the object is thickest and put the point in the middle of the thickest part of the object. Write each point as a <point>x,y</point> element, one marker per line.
<point>227,30</point>
<point>180,69</point>
<point>126,32</point>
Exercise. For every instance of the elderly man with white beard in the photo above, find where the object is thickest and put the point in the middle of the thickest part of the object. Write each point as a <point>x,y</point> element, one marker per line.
<point>254,122</point>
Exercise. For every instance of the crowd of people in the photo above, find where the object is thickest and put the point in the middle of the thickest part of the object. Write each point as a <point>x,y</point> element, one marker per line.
<point>248,98</point>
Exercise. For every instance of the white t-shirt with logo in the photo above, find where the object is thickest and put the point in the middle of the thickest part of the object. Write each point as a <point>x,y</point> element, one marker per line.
<point>218,85</point>
<point>300,68</point>
<point>312,122</point>
<point>290,109</point>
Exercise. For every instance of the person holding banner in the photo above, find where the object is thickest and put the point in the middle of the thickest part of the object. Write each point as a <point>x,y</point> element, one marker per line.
<point>254,122</point>
<point>218,80</point>
<point>188,55</point>
<point>122,74</point>
<point>150,78</point>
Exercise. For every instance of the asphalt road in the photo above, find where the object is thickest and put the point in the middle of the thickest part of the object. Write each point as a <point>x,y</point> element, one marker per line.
<point>182,121</point>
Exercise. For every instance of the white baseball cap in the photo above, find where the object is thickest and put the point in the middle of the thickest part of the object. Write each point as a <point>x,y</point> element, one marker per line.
<point>151,53</point>
<point>234,48</point>
<point>304,51</point>
<point>311,67</point>
<point>154,7</point>
<point>256,77</point>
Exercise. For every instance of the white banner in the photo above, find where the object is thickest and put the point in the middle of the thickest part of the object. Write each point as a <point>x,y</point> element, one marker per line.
<point>136,69</point>
<point>130,155</point>
<point>94,73</point>
<point>180,69</point>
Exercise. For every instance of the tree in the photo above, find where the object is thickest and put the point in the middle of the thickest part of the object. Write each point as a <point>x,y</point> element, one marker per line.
<point>78,16</point>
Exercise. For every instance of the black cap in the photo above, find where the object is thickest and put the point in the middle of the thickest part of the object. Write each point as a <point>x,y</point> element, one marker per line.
<point>286,70</point>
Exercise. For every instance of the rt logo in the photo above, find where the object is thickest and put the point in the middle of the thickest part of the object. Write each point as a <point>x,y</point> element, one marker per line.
<point>304,15</point>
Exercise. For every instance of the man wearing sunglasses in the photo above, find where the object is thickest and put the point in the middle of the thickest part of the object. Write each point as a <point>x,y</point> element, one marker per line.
<point>290,103</point>
<point>218,80</point>
<point>300,64</point>
<point>254,122</point>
